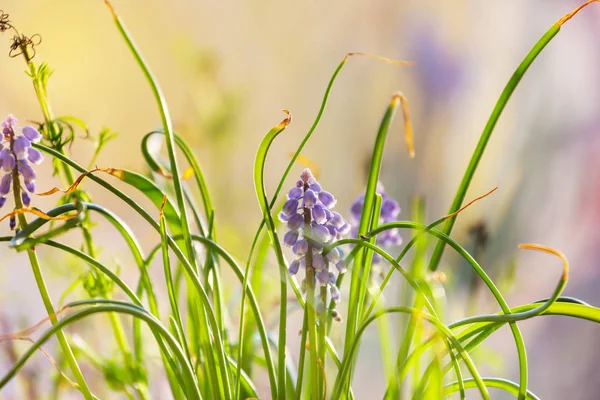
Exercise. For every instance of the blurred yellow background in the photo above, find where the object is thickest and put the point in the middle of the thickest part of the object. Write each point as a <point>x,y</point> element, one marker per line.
<point>229,68</point>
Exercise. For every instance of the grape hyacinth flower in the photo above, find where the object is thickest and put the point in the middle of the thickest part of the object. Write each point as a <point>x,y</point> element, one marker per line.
<point>16,157</point>
<point>389,213</point>
<point>311,225</point>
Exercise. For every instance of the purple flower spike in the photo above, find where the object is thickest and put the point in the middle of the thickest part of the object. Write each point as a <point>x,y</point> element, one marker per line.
<point>34,156</point>
<point>327,199</point>
<point>290,207</point>
<point>5,184</point>
<point>31,134</point>
<point>325,226</point>
<point>300,248</point>
<point>318,262</point>
<point>16,152</point>
<point>293,268</point>
<point>26,199</point>
<point>20,147</point>
<point>318,214</point>
<point>295,193</point>
<point>290,238</point>
<point>310,199</point>
<point>295,222</point>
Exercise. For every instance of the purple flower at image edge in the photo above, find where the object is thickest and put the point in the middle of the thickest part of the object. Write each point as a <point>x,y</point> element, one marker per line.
<point>16,151</point>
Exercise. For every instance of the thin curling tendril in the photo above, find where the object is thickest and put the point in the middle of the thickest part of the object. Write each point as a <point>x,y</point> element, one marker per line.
<point>575,11</point>
<point>111,171</point>
<point>38,213</point>
<point>550,250</point>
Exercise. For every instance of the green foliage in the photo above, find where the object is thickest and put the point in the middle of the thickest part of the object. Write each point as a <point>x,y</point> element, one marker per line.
<point>205,351</point>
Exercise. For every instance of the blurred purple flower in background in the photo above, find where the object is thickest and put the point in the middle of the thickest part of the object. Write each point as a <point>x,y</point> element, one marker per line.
<point>311,224</point>
<point>389,213</point>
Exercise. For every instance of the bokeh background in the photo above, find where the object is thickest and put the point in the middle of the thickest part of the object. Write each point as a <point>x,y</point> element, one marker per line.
<point>229,68</point>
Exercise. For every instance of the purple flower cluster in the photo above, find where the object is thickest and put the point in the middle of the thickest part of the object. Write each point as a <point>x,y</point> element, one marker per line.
<point>16,152</point>
<point>389,213</point>
<point>311,224</point>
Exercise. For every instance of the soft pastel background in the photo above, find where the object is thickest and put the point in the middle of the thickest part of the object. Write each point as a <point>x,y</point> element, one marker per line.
<point>228,68</point>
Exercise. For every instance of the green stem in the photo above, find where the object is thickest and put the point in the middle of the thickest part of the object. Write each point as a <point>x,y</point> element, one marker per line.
<point>39,279</point>
<point>40,91</point>
<point>311,307</point>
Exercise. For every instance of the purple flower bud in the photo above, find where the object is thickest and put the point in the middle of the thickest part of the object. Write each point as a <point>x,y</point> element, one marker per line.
<point>318,214</point>
<point>341,266</point>
<point>306,176</point>
<point>300,247</point>
<point>334,255</point>
<point>328,214</point>
<point>320,306</point>
<point>318,262</point>
<point>295,193</point>
<point>2,201</point>
<point>332,231</point>
<point>335,294</point>
<point>337,220</point>
<point>293,268</point>
<point>283,217</point>
<point>323,277</point>
<point>30,186</point>
<point>357,206</point>
<point>26,170</point>
<point>31,134</point>
<point>26,199</point>
<point>13,222</point>
<point>290,207</point>
<point>5,184</point>
<point>299,183</point>
<point>344,229</point>
<point>321,233</point>
<point>9,122</point>
<point>310,199</point>
<point>20,147</point>
<point>290,238</point>
<point>376,258</point>
<point>34,156</point>
<point>6,132</point>
<point>327,199</point>
<point>315,187</point>
<point>295,222</point>
<point>8,160</point>
<point>317,246</point>
<point>332,278</point>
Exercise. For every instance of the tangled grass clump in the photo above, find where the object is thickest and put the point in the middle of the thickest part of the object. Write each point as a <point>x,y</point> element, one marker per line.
<point>201,355</point>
